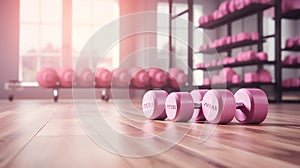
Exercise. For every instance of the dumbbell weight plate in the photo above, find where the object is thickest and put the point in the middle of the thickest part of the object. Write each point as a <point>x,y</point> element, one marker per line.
<point>153,104</point>
<point>255,106</point>
<point>179,106</point>
<point>218,106</point>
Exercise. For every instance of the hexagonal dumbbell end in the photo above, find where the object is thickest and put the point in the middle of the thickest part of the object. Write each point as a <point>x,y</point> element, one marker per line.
<point>179,106</point>
<point>218,106</point>
<point>153,104</point>
<point>197,96</point>
<point>252,106</point>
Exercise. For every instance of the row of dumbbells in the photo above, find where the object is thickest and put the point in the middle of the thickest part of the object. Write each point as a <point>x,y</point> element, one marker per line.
<point>119,77</point>
<point>248,106</point>
<point>291,82</point>
<point>292,42</point>
<point>243,56</point>
<point>230,40</point>
<point>228,75</point>
<point>291,60</point>
<point>227,7</point>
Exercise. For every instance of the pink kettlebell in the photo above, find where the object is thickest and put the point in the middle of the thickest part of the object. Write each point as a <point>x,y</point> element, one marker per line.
<point>176,78</point>
<point>85,77</point>
<point>66,77</point>
<point>158,77</point>
<point>139,77</point>
<point>47,78</point>
<point>121,77</point>
<point>103,77</point>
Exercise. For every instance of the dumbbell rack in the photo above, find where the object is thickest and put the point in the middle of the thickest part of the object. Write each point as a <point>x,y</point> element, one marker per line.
<point>291,15</point>
<point>227,20</point>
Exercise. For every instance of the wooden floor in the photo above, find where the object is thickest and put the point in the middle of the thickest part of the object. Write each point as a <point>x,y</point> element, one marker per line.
<point>40,133</point>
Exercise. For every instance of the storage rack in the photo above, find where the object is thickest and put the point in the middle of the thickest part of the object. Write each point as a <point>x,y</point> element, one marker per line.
<point>291,15</point>
<point>251,9</point>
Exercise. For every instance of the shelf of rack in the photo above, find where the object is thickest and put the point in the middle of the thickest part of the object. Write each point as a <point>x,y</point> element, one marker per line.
<point>228,47</point>
<point>294,14</point>
<point>295,48</point>
<point>246,11</point>
<point>291,66</point>
<point>290,89</point>
<point>238,64</point>
<point>236,85</point>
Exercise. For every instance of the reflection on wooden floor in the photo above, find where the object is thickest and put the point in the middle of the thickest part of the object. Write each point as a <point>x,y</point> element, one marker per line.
<point>40,133</point>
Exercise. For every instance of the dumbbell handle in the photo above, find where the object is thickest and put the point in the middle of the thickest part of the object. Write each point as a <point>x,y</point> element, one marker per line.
<point>238,105</point>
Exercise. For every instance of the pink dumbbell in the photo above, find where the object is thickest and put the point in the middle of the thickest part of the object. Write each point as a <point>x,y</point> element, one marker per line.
<point>207,81</point>
<point>222,41</point>
<point>227,74</point>
<point>286,83</point>
<point>85,77</point>
<point>231,6</point>
<point>236,78</point>
<point>66,77</point>
<point>289,60</point>
<point>239,4</point>
<point>216,106</point>
<point>288,5</point>
<point>184,106</point>
<point>208,18</point>
<point>229,60</point>
<point>264,76</point>
<point>121,77</point>
<point>157,104</point>
<point>240,56</point>
<point>295,82</point>
<point>226,60</point>
<point>247,105</point>
<point>290,42</point>
<point>47,78</point>
<point>158,77</point>
<point>243,36</point>
<point>217,14</point>
<point>249,55</point>
<point>103,77</point>
<point>254,36</point>
<point>200,65</point>
<point>262,56</point>
<point>250,77</point>
<point>177,78</point>
<point>234,39</point>
<point>219,106</point>
<point>139,77</point>
<point>224,8</point>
